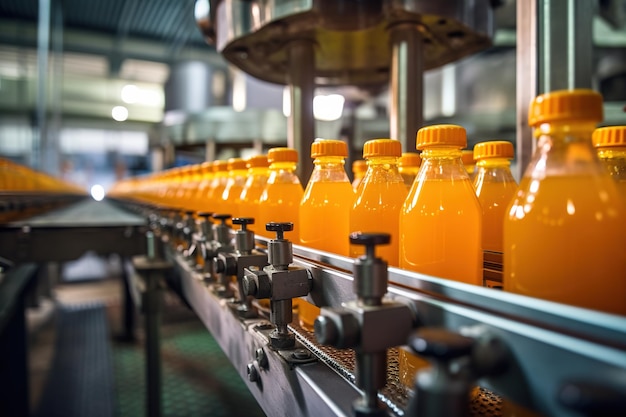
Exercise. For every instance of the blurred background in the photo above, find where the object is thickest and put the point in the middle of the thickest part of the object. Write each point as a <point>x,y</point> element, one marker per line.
<point>98,90</point>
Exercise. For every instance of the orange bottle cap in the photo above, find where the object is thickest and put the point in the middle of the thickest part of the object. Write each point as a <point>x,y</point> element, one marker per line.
<point>282,155</point>
<point>220,166</point>
<point>493,149</point>
<point>382,147</point>
<point>257,161</point>
<point>236,163</point>
<point>410,159</point>
<point>467,157</point>
<point>564,105</point>
<point>359,166</point>
<point>328,147</point>
<point>441,135</point>
<point>207,167</point>
<point>609,136</point>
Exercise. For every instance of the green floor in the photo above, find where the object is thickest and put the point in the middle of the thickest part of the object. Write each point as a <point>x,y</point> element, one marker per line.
<point>198,379</point>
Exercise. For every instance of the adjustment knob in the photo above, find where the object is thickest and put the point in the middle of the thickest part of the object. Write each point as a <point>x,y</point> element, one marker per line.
<point>206,215</point>
<point>222,217</point>
<point>189,212</point>
<point>279,228</point>
<point>440,344</point>
<point>370,241</point>
<point>243,221</point>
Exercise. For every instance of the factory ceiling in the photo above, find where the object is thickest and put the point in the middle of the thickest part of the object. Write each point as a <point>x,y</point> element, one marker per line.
<point>152,30</point>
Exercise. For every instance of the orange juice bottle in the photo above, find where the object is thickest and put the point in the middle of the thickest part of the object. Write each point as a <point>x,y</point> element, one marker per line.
<point>610,143</point>
<point>565,230</point>
<point>206,177</point>
<point>213,197</point>
<point>358,172</point>
<point>192,185</point>
<point>379,197</point>
<point>440,222</point>
<point>327,200</point>
<point>258,173</point>
<point>467,157</point>
<point>409,165</point>
<point>237,175</point>
<point>495,187</point>
<point>280,200</point>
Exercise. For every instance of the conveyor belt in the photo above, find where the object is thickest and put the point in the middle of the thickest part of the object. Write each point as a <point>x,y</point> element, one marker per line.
<point>80,382</point>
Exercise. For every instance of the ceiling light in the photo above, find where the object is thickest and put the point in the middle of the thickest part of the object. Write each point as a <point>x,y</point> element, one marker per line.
<point>119,113</point>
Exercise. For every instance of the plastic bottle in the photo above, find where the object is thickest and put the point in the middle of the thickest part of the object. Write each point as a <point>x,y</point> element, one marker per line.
<point>565,230</point>
<point>327,200</point>
<point>440,222</point>
<point>280,200</point>
<point>610,143</point>
<point>206,177</point>
<point>379,197</point>
<point>358,172</point>
<point>495,187</point>
<point>467,157</point>
<point>237,175</point>
<point>213,197</point>
<point>409,166</point>
<point>258,173</point>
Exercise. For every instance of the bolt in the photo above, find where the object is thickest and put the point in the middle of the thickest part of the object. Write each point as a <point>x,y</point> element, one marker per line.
<point>253,373</point>
<point>261,358</point>
<point>301,354</point>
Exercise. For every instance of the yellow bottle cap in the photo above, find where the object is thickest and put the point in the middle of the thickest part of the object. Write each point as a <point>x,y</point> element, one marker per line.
<point>220,166</point>
<point>493,149</point>
<point>467,157</point>
<point>382,147</point>
<point>441,135</point>
<point>257,161</point>
<point>328,147</point>
<point>564,105</point>
<point>359,166</point>
<point>410,159</point>
<point>282,155</point>
<point>609,136</point>
<point>236,163</point>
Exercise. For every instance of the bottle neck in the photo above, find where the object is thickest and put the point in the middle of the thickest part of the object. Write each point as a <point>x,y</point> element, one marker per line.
<point>382,160</point>
<point>441,152</point>
<point>493,163</point>
<point>617,152</point>
<point>329,161</point>
<point>283,166</point>
<point>566,130</point>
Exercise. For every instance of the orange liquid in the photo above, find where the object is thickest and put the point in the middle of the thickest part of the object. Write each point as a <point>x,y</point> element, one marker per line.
<point>494,192</point>
<point>614,160</point>
<point>325,217</point>
<point>565,241</point>
<point>231,196</point>
<point>440,230</point>
<point>377,209</point>
<point>280,202</point>
<point>251,194</point>
<point>409,364</point>
<point>213,200</point>
<point>307,313</point>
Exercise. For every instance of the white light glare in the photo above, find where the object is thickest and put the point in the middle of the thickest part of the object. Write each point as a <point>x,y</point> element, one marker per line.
<point>328,108</point>
<point>119,113</point>
<point>97,192</point>
<point>130,93</point>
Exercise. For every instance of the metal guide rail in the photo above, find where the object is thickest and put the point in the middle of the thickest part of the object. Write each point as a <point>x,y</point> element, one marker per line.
<point>552,358</point>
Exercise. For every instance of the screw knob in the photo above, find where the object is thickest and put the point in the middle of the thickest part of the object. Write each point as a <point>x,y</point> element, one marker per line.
<point>222,217</point>
<point>279,228</point>
<point>189,212</point>
<point>243,221</point>
<point>370,241</point>
<point>205,215</point>
<point>440,344</point>
<point>326,331</point>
